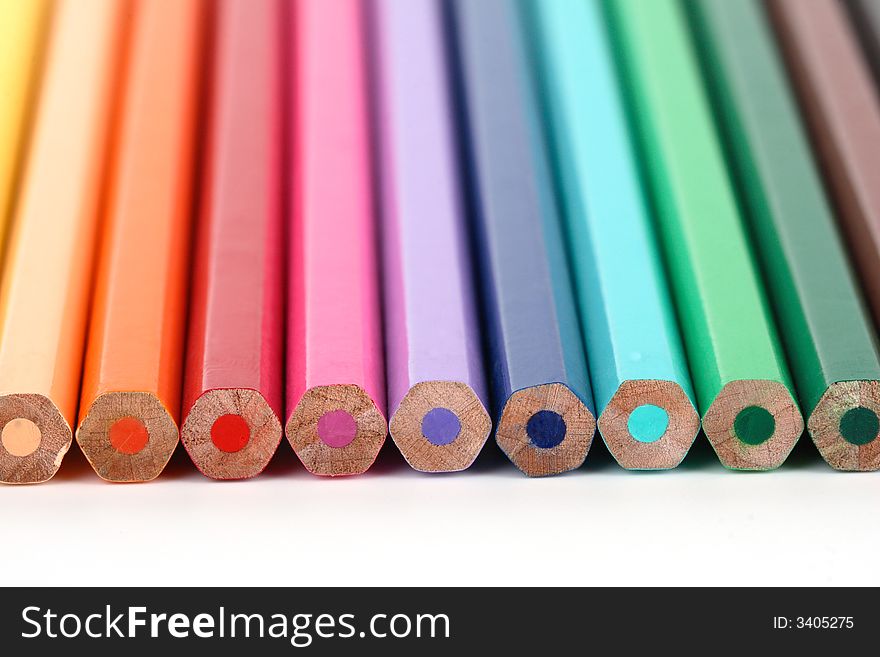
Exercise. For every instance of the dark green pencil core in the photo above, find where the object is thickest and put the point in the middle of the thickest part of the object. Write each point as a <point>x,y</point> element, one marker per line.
<point>859,425</point>
<point>754,424</point>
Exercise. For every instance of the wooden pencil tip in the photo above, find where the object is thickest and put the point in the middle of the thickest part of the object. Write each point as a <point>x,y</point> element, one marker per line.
<point>845,425</point>
<point>649,424</point>
<point>545,430</point>
<point>336,430</point>
<point>440,426</point>
<point>34,437</point>
<point>753,424</point>
<point>127,436</point>
<point>231,433</point>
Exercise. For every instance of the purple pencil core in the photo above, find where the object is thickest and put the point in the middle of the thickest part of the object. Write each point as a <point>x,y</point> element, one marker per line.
<point>440,426</point>
<point>337,428</point>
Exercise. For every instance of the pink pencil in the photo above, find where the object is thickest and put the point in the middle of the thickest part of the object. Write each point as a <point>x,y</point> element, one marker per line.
<point>336,377</point>
<point>233,391</point>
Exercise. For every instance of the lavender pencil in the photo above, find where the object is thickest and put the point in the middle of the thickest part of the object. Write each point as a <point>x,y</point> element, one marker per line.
<point>436,387</point>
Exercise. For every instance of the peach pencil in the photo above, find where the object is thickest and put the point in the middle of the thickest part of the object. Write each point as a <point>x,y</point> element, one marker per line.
<point>49,266</point>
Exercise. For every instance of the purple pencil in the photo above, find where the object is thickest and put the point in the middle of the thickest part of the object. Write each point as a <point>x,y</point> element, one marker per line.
<point>436,384</point>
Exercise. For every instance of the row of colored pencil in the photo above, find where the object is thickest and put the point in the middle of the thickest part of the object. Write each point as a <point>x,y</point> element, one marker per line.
<point>218,215</point>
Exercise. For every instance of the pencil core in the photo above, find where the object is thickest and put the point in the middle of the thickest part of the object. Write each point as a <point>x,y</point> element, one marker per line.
<point>440,426</point>
<point>337,428</point>
<point>859,425</point>
<point>129,435</point>
<point>21,437</point>
<point>230,433</point>
<point>648,423</point>
<point>546,429</point>
<point>754,425</point>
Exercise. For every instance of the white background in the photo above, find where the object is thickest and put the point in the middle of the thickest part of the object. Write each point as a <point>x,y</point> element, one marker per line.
<point>699,524</point>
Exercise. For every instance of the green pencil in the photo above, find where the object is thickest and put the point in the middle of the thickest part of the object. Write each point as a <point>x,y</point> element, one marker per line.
<point>741,379</point>
<point>827,335</point>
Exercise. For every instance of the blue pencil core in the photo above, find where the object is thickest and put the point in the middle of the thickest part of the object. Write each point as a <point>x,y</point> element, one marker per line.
<point>648,423</point>
<point>546,429</point>
<point>440,426</point>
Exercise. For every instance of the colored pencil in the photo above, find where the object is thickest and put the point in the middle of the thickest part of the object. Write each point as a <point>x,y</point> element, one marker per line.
<point>233,388</point>
<point>436,382</point>
<point>132,381</point>
<point>22,31</point>
<point>545,422</point>
<point>830,342</point>
<point>740,376</point>
<point>335,360</point>
<point>841,107</point>
<point>865,15</point>
<point>48,271</point>
<point>639,374</point>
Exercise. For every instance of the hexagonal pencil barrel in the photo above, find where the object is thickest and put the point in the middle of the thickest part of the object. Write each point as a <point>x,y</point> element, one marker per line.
<point>740,375</point>
<point>335,368</point>
<point>47,276</point>
<point>132,381</point>
<point>233,380</point>
<point>436,381</point>
<point>539,375</point>
<point>826,330</point>
<point>638,369</point>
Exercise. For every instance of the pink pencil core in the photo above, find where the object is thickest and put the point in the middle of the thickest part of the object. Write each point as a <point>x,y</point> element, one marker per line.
<point>337,428</point>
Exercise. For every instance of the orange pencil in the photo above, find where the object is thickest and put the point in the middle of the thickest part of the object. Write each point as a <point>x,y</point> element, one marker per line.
<point>48,271</point>
<point>131,385</point>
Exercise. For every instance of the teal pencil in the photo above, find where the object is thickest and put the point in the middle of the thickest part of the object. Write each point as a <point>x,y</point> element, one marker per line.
<point>640,378</point>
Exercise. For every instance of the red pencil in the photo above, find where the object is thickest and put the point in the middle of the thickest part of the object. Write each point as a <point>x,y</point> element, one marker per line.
<point>233,394</point>
<point>336,378</point>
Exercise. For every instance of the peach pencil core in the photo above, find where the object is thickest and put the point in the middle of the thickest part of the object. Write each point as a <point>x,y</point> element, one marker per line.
<point>21,437</point>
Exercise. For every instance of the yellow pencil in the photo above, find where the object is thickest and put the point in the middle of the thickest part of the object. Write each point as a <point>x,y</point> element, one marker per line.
<point>49,266</point>
<point>22,27</point>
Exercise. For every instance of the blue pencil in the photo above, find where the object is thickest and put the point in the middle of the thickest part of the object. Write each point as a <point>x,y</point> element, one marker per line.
<point>640,377</point>
<point>545,422</point>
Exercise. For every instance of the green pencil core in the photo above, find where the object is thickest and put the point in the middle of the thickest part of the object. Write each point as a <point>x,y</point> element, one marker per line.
<point>647,423</point>
<point>859,425</point>
<point>754,425</point>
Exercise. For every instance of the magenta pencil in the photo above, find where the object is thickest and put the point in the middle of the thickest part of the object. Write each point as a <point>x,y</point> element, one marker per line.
<point>335,363</point>
<point>436,385</point>
<point>233,390</point>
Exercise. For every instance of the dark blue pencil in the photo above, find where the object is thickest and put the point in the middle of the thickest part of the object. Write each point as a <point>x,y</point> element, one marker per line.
<point>544,406</point>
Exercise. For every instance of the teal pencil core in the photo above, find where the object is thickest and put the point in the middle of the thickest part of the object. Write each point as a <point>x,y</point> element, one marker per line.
<point>648,423</point>
<point>754,424</point>
<point>859,425</point>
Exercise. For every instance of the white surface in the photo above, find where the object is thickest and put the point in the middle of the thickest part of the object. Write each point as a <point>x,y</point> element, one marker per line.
<point>701,525</point>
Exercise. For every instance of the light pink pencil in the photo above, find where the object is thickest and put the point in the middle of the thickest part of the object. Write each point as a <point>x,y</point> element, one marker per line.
<point>336,376</point>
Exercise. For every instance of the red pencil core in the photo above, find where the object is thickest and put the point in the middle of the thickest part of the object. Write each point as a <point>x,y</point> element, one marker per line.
<point>230,433</point>
<point>129,435</point>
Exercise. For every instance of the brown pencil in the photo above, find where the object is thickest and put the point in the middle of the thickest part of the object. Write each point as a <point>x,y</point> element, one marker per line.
<point>842,109</point>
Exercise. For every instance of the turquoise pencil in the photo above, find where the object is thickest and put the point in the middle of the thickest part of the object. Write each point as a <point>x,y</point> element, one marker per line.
<point>640,378</point>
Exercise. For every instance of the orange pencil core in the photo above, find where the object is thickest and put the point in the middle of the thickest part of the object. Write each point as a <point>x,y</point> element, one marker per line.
<point>129,435</point>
